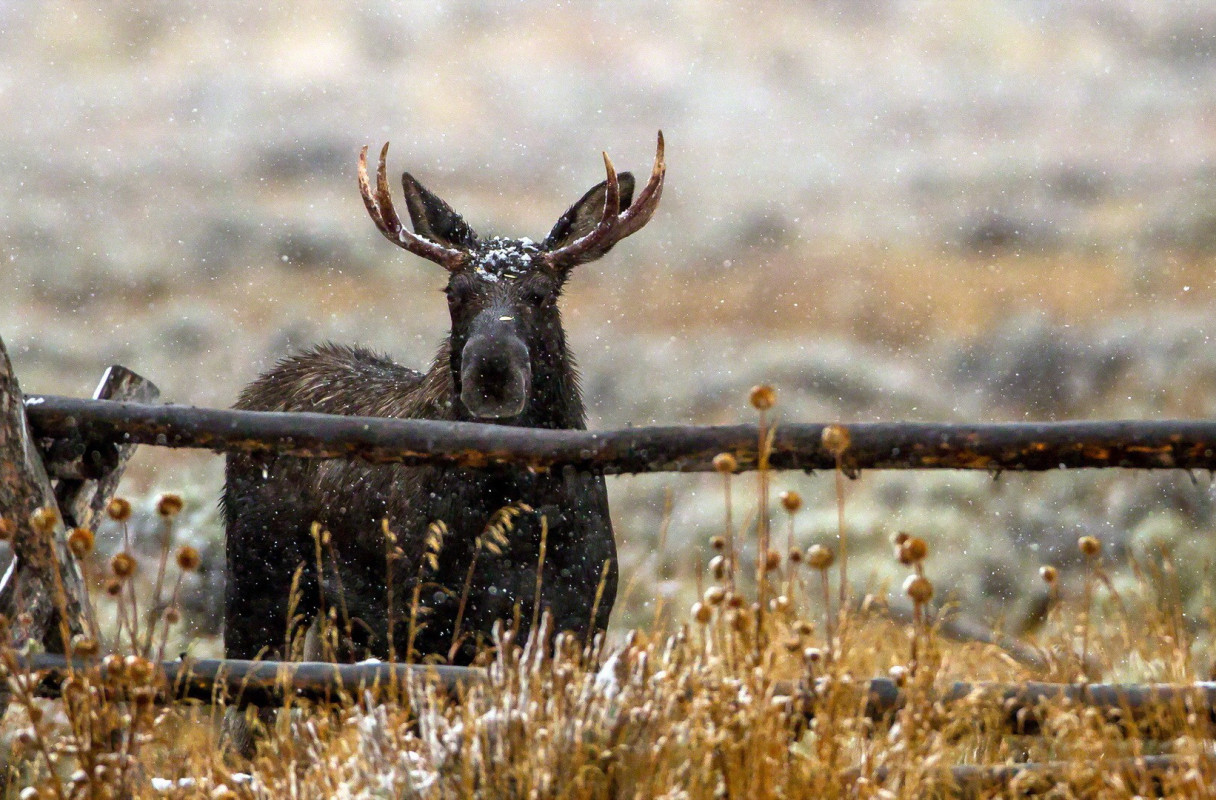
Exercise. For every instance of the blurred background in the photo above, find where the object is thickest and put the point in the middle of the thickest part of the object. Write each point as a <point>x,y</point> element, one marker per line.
<point>942,210</point>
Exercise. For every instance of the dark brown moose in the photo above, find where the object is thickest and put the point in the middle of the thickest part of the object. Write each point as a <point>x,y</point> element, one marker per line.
<point>465,543</point>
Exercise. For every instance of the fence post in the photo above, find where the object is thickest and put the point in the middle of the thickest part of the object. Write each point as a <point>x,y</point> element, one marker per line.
<point>43,576</point>
<point>87,482</point>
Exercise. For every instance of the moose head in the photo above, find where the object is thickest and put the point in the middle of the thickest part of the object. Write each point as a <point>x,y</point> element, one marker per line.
<point>506,336</point>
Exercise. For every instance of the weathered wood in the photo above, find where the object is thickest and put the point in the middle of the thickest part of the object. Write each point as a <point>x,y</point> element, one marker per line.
<point>1148,710</point>
<point>1154,444</point>
<point>30,594</point>
<point>87,483</point>
<point>1046,777</point>
<point>1143,709</point>
<point>261,683</point>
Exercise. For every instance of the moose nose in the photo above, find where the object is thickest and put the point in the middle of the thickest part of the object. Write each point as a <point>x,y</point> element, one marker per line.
<point>495,376</point>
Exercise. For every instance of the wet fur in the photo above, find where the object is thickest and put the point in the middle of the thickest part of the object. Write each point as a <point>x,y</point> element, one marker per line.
<point>270,504</point>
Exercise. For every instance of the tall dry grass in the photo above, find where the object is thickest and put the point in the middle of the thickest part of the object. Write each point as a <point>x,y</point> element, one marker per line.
<point>732,699</point>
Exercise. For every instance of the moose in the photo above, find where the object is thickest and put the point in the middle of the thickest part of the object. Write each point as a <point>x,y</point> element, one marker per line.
<point>423,561</point>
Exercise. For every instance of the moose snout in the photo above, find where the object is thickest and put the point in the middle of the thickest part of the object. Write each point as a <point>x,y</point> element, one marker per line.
<point>495,376</point>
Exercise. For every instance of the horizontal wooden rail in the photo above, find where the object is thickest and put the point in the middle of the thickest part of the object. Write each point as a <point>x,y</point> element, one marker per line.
<point>895,445</point>
<point>1148,710</point>
<point>1032,779</point>
<point>259,683</point>
<point>1143,709</point>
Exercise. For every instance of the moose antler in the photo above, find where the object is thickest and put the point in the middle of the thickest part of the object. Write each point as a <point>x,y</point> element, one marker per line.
<point>380,207</point>
<point>614,225</point>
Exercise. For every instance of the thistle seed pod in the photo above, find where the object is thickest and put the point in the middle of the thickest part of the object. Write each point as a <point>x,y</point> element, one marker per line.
<point>820,557</point>
<point>762,397</point>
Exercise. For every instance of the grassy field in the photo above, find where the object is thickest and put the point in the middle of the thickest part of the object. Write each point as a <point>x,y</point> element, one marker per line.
<point>712,699</point>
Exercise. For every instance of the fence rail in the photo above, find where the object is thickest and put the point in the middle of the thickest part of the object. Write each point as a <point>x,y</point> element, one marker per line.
<point>996,447</point>
<point>1145,710</point>
<point>258,683</point>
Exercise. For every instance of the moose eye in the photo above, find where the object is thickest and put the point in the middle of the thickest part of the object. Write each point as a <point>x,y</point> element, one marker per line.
<point>536,293</point>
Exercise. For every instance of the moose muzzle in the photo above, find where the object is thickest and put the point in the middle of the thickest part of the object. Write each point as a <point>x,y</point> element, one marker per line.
<point>495,374</point>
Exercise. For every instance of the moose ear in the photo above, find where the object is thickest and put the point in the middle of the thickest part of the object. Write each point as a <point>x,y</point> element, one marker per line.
<point>434,219</point>
<point>582,217</point>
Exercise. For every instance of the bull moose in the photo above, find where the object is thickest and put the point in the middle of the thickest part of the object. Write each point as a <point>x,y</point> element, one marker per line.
<point>431,557</point>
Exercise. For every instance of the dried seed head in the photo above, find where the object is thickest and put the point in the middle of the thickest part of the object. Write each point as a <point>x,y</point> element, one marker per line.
<point>122,565</point>
<point>804,627</point>
<point>140,669</point>
<point>169,505</point>
<point>762,397</point>
<point>913,551</point>
<point>7,529</point>
<point>780,604</point>
<point>791,501</point>
<point>434,536</point>
<point>113,666</point>
<point>718,543</point>
<point>734,600</point>
<point>113,587</point>
<point>835,439</point>
<point>725,463</point>
<point>84,646</point>
<point>173,615</point>
<point>187,558</point>
<point>899,675</point>
<point>812,655</point>
<point>717,567</point>
<point>714,596</point>
<point>1049,574</point>
<point>701,612</point>
<point>1090,546</point>
<point>795,555</point>
<point>919,588</point>
<point>820,557</point>
<point>899,538</point>
<point>118,509</point>
<point>44,519</point>
<point>772,560</point>
<point>80,542</point>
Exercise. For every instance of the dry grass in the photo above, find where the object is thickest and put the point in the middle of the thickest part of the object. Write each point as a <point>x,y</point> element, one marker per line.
<point>896,298</point>
<point>698,706</point>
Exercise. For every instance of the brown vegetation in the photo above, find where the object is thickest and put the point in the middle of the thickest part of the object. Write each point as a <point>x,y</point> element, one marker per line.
<point>700,706</point>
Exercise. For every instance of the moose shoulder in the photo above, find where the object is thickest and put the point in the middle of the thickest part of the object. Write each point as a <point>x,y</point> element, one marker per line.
<point>422,561</point>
